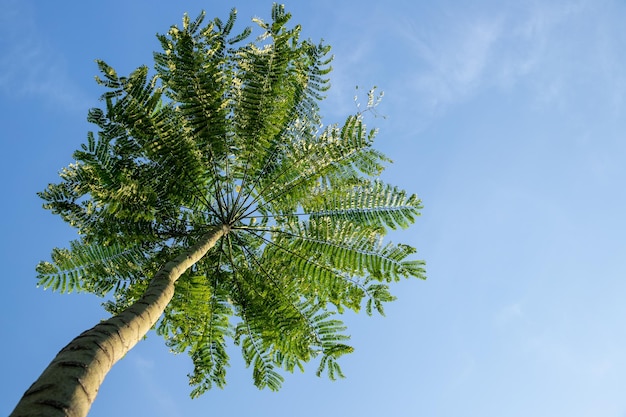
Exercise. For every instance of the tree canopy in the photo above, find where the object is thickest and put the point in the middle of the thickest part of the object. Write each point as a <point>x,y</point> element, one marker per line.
<point>227,132</point>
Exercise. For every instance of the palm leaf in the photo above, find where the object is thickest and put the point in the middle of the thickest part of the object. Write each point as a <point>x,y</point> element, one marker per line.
<point>91,268</point>
<point>371,203</point>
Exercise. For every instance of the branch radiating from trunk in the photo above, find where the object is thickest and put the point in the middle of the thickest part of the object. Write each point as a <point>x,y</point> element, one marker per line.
<point>68,386</point>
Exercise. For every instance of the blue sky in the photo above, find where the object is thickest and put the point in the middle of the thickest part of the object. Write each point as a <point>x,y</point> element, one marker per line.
<point>506,117</point>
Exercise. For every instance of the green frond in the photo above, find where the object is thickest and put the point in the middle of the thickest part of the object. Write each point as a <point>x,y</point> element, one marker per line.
<point>91,268</point>
<point>287,337</point>
<point>371,203</point>
<point>337,156</point>
<point>348,248</point>
<point>197,321</point>
<point>312,278</point>
<point>331,344</point>
<point>377,294</point>
<point>275,96</point>
<point>257,354</point>
<point>195,25</point>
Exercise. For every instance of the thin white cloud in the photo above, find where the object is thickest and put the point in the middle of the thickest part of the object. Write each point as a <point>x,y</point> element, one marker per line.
<point>29,65</point>
<point>509,314</point>
<point>458,68</point>
<point>163,400</point>
<point>540,52</point>
<point>569,353</point>
<point>451,61</point>
<point>530,48</point>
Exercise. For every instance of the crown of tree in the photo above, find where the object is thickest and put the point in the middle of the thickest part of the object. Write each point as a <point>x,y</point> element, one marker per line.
<point>228,134</point>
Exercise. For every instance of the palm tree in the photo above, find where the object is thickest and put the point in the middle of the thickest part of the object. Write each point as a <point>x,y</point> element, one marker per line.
<point>215,178</point>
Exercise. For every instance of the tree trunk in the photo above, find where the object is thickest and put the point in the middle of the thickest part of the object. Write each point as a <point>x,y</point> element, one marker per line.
<point>68,386</point>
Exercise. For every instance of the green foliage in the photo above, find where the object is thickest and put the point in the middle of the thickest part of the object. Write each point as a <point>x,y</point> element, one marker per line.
<point>227,132</point>
<point>91,268</point>
<point>197,321</point>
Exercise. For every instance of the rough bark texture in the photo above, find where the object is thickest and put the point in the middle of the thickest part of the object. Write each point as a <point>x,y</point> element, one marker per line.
<point>68,386</point>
